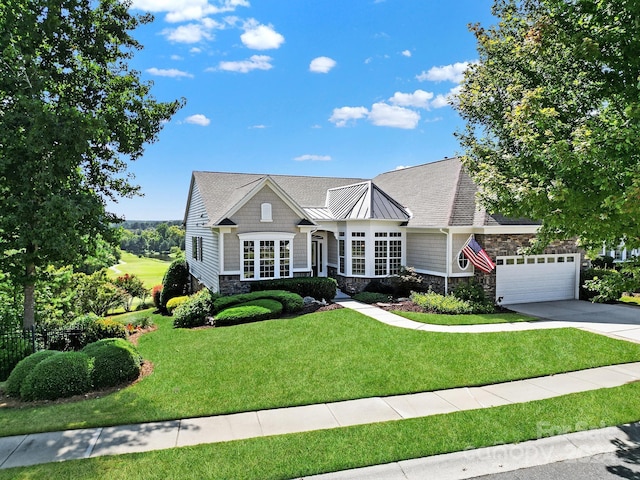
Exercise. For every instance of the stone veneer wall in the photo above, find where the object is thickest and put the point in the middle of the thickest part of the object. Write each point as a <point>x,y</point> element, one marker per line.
<point>231,284</point>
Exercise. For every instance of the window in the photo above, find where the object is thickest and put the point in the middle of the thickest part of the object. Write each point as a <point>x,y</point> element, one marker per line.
<point>341,255</point>
<point>196,248</point>
<point>387,253</point>
<point>265,213</point>
<point>463,261</point>
<point>358,251</point>
<point>266,255</point>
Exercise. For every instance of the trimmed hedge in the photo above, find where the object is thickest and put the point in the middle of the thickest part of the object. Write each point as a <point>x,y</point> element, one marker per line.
<point>62,375</point>
<point>253,311</point>
<point>291,302</point>
<point>316,287</point>
<point>115,360</point>
<point>175,282</point>
<point>175,302</point>
<point>194,312</point>
<point>22,370</point>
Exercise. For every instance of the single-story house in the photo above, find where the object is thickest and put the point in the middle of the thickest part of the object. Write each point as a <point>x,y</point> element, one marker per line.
<point>242,227</point>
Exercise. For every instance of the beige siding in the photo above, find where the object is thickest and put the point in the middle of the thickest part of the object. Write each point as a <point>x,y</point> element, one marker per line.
<point>207,270</point>
<point>248,220</point>
<point>458,241</point>
<point>427,251</point>
<point>332,249</point>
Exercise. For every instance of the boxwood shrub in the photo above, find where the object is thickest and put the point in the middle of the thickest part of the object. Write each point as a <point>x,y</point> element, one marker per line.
<point>175,302</point>
<point>316,287</point>
<point>22,370</point>
<point>194,312</point>
<point>291,302</point>
<point>115,361</point>
<point>253,311</point>
<point>371,297</point>
<point>59,376</point>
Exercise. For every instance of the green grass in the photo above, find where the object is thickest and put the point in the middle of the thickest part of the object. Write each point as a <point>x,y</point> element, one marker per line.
<point>631,300</point>
<point>476,319</point>
<point>322,357</point>
<point>149,270</point>
<point>297,455</point>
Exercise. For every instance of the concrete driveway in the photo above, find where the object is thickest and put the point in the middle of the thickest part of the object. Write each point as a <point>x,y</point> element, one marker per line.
<point>618,320</point>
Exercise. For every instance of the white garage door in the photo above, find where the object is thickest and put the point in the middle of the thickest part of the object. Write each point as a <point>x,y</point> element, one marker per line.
<point>536,278</point>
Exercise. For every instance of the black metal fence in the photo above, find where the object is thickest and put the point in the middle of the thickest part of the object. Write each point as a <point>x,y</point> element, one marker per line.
<point>16,344</point>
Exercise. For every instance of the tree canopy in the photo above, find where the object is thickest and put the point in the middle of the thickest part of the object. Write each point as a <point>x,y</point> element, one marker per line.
<point>72,113</point>
<point>552,111</point>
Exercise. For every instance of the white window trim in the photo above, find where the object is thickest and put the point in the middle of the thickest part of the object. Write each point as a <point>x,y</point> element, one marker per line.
<point>266,213</point>
<point>276,237</point>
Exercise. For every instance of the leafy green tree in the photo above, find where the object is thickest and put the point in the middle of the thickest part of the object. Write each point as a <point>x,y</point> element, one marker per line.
<point>132,286</point>
<point>95,293</point>
<point>72,112</point>
<point>552,111</point>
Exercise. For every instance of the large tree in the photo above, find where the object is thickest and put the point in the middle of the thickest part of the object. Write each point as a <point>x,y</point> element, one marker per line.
<point>72,113</point>
<point>552,111</point>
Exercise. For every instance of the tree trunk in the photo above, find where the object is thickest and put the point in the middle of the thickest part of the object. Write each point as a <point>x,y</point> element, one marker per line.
<point>29,319</point>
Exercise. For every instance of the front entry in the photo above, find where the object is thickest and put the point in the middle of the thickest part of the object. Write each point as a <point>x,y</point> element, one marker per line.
<point>318,252</point>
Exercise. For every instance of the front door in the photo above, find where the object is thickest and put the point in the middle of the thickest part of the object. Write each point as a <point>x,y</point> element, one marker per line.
<point>318,262</point>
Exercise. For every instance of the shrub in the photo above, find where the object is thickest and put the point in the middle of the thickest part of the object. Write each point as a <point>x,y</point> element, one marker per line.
<point>22,370</point>
<point>371,297</point>
<point>59,376</point>
<point>116,361</point>
<point>291,302</point>
<point>473,293</point>
<point>253,311</point>
<point>132,286</point>
<point>316,287</point>
<point>194,312</point>
<point>95,293</point>
<point>377,286</point>
<point>175,282</point>
<point>606,286</point>
<point>603,261</point>
<point>155,295</point>
<point>407,280</point>
<point>175,302</point>
<point>104,328</point>
<point>447,304</point>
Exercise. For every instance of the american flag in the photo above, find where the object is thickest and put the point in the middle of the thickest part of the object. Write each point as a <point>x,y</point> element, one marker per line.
<point>477,256</point>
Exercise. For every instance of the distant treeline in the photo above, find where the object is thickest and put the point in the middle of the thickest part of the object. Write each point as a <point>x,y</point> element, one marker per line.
<point>150,237</point>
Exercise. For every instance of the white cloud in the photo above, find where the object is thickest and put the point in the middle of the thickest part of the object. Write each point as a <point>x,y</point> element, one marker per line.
<point>185,10</point>
<point>258,127</point>
<point>418,99</point>
<point>198,119</point>
<point>342,115</point>
<point>195,50</point>
<point>260,37</point>
<point>190,33</point>
<point>177,58</point>
<point>322,64</point>
<point>255,62</point>
<point>313,158</point>
<point>446,100</point>
<point>406,53</point>
<point>451,73</point>
<point>169,72</point>
<point>402,167</point>
<point>384,115</point>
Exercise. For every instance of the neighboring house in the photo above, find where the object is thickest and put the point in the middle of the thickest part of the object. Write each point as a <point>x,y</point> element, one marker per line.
<point>243,227</point>
<point>620,254</point>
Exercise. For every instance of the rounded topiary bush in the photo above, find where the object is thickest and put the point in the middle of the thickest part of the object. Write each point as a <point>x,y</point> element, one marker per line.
<point>194,312</point>
<point>175,302</point>
<point>175,282</point>
<point>104,328</point>
<point>263,309</point>
<point>22,370</point>
<point>115,361</point>
<point>59,376</point>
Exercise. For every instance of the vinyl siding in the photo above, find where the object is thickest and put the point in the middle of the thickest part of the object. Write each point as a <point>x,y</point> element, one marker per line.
<point>207,270</point>
<point>332,250</point>
<point>458,241</point>
<point>427,251</point>
<point>248,220</point>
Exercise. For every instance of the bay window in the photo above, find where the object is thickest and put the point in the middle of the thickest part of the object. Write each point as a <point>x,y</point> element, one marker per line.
<point>266,255</point>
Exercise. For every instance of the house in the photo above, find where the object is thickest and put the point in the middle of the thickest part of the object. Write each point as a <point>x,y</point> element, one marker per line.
<point>242,227</point>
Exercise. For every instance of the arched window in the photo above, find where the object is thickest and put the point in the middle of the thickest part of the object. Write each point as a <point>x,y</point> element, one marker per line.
<point>463,262</point>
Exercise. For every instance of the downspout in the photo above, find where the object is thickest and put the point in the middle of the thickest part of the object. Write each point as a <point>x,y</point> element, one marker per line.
<point>448,262</point>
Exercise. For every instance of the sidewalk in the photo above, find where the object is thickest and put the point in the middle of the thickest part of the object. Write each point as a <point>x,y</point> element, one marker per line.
<point>23,450</point>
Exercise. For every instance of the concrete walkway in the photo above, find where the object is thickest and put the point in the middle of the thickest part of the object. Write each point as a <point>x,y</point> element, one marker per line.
<point>23,450</point>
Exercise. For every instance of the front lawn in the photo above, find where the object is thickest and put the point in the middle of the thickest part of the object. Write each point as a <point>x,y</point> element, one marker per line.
<point>631,300</point>
<point>321,357</point>
<point>473,319</point>
<point>303,454</point>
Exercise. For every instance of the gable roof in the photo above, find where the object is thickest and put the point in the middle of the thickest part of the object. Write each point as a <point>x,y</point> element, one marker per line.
<point>437,194</point>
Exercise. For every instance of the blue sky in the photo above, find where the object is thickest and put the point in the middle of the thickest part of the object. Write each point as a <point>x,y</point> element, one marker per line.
<point>347,88</point>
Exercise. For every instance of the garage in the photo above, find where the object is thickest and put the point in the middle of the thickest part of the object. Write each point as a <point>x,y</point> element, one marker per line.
<point>537,278</point>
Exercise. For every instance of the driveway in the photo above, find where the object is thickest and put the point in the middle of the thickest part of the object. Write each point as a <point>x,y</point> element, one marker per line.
<point>619,320</point>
